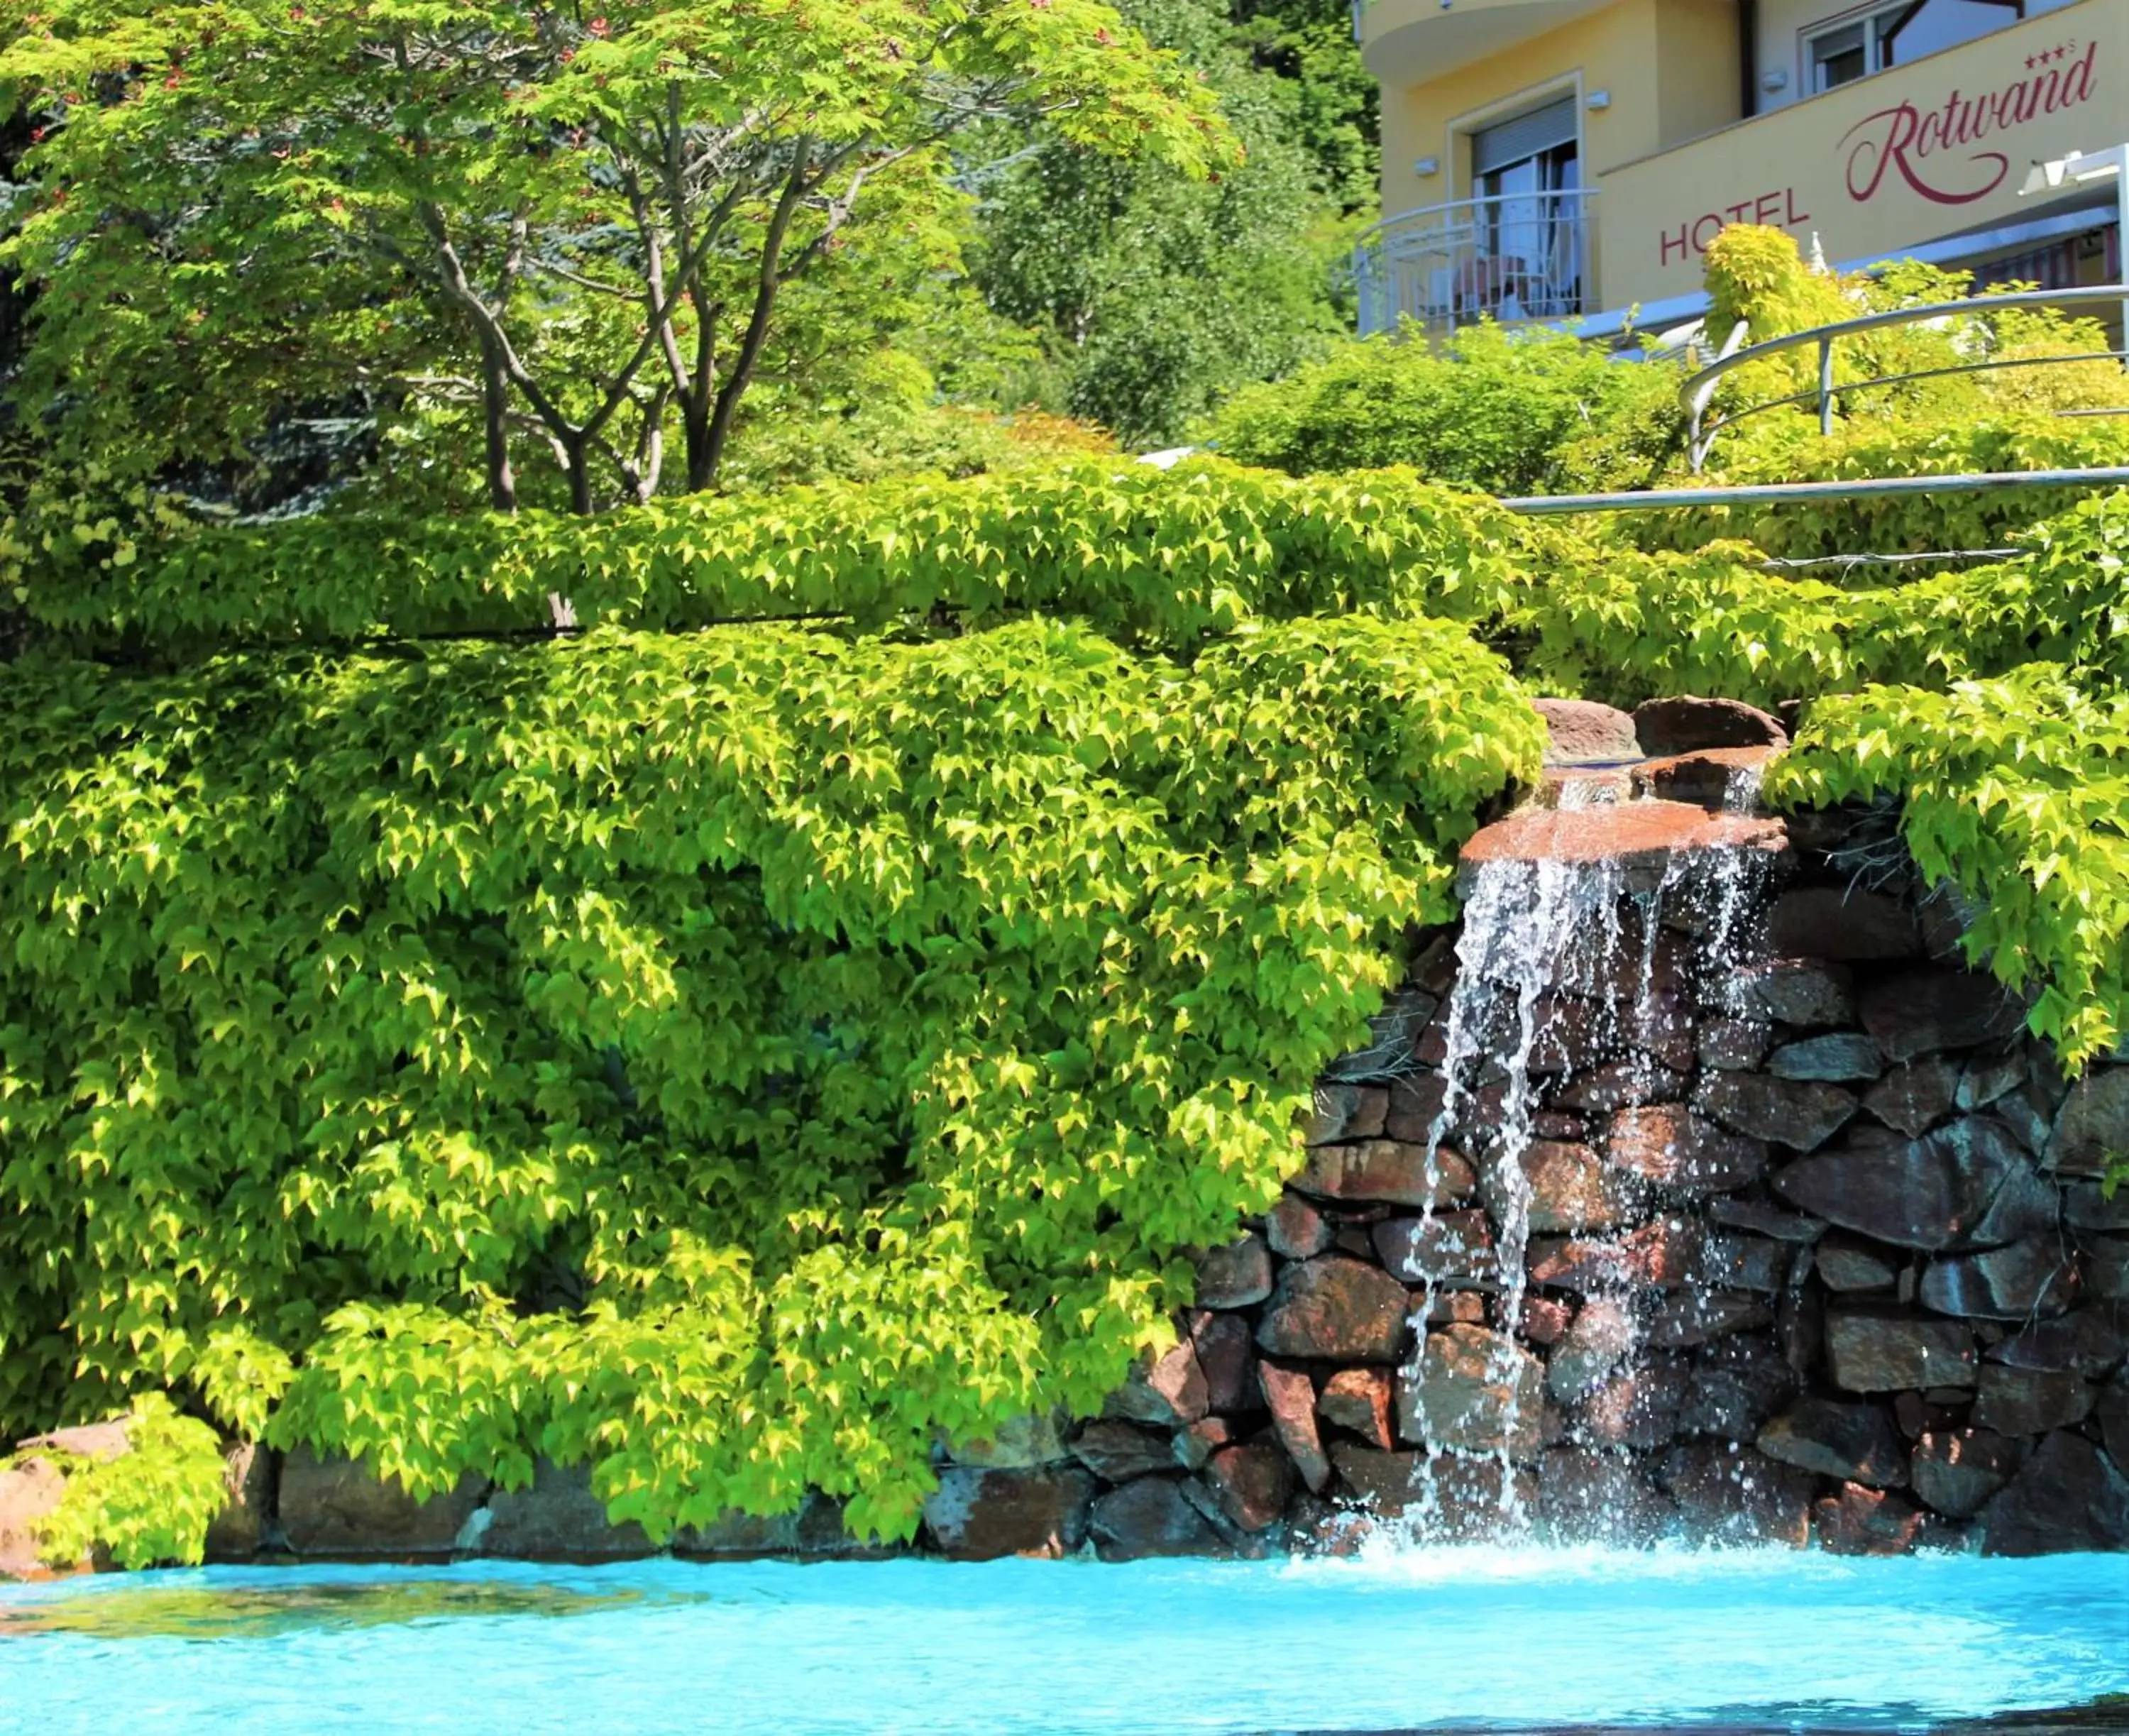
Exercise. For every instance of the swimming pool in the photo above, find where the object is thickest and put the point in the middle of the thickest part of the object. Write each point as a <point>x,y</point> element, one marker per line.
<point>1500,1639</point>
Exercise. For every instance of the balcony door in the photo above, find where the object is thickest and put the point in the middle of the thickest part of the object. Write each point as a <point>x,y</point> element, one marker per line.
<point>1527,172</point>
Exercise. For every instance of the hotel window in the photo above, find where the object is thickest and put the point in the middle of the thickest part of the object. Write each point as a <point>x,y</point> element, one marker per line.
<point>1894,35</point>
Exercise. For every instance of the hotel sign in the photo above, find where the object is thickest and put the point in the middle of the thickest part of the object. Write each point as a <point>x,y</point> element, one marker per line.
<point>1889,162</point>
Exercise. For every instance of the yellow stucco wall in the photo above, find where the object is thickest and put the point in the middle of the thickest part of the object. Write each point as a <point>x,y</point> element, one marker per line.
<point>1914,155</point>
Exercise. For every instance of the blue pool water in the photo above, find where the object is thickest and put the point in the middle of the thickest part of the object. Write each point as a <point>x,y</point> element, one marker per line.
<point>1470,1639</point>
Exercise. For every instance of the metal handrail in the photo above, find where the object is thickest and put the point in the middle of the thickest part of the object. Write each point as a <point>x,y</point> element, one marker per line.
<point>1697,391</point>
<point>1403,217</point>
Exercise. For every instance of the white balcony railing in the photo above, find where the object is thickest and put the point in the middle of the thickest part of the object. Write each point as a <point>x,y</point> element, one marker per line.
<point>1512,256</point>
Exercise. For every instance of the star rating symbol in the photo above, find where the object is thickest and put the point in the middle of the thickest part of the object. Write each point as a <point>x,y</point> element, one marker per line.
<point>2060,51</point>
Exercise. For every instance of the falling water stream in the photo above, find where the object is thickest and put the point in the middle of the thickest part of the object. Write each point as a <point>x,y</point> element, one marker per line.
<point>1540,936</point>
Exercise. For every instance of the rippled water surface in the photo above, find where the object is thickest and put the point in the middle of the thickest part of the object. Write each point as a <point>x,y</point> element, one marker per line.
<point>1471,1639</point>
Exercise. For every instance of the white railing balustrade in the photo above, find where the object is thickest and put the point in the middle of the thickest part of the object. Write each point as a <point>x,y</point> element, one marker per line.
<point>1511,256</point>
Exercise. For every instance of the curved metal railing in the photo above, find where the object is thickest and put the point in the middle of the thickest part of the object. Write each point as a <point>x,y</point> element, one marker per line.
<point>1699,390</point>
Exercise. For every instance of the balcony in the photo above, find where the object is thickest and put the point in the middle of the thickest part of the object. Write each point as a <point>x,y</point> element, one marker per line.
<point>1515,256</point>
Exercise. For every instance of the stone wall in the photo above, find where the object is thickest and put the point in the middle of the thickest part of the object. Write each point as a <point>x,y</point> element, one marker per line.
<point>1750,1216</point>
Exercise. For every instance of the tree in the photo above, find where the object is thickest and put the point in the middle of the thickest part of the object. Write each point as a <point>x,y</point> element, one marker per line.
<point>1157,296</point>
<point>584,226</point>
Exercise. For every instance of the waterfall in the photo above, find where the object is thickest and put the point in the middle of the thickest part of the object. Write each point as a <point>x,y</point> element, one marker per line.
<point>1569,978</point>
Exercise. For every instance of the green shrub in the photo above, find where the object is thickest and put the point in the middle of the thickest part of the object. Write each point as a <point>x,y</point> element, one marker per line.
<point>1520,412</point>
<point>149,1507</point>
<point>738,1059</point>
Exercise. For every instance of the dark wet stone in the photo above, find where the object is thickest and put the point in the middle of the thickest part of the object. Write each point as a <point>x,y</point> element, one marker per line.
<point>1117,1451</point>
<point>1453,1248</point>
<point>1585,1496</point>
<point>557,1517</point>
<point>1150,1517</point>
<point>1956,1471</point>
<point>1166,1391</point>
<point>2070,1496</point>
<point>1930,1193</point>
<point>982,1515</point>
<point>1345,1111</point>
<point>1832,922</point>
<point>1731,1494</point>
<point>2025,1280</point>
<point>1789,991</point>
<point>1694,1316</point>
<point>1637,1408</point>
<point>1237,1276</point>
<point>1856,1520</point>
<point>1669,1145</point>
<point>1251,1483</point>
<point>2093,1124</point>
<point>1856,1443</point>
<point>2090,1342</point>
<point>1845,1264</point>
<point>1296,1229</point>
<point>1735,1045</point>
<point>1226,1357</point>
<point>1876,1349</point>
<point>338,1506</point>
<point>1799,1113</point>
<point>2031,1401</point>
<point>1737,1383</point>
<point>1921,1011</point>
<point>1291,1394</point>
<point>1838,1056</point>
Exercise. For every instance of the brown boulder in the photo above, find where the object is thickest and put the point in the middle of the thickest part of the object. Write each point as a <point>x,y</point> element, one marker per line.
<point>1862,1521</point>
<point>1709,777</point>
<point>1836,923</point>
<point>813,1531</point>
<point>558,1518</point>
<point>2031,1400</point>
<point>1658,1256</point>
<point>1568,1189</point>
<point>1913,1098</point>
<point>1686,724</point>
<point>2093,1124</point>
<point>1386,1172</point>
<point>101,1442</point>
<point>1460,1499</point>
<point>1582,733</point>
<point>1789,991</point>
<point>1795,1113</point>
<point>1856,1443</point>
<point>1836,1057</point>
<point>1345,1111</point>
<point>1166,1391</point>
<point>1669,1145</point>
<point>1888,1350</point>
<point>1335,1309</point>
<point>1956,1471</point>
<point>1603,1333</point>
<point>1227,1359</point>
<point>1148,1519</point>
<point>1296,1229</point>
<point>1358,1398</point>
<point>1237,1276</point>
<point>1454,1248</point>
<point>1251,1484</point>
<point>29,1491</point>
<point>1473,1390</point>
<point>1920,1011</point>
<point>1291,1394</point>
<point>2023,1281</point>
<point>2068,1497</point>
<point>1646,839</point>
<point>340,1507</point>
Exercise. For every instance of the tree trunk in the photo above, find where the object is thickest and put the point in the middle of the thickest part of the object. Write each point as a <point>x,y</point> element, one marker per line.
<point>577,451</point>
<point>495,405</point>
